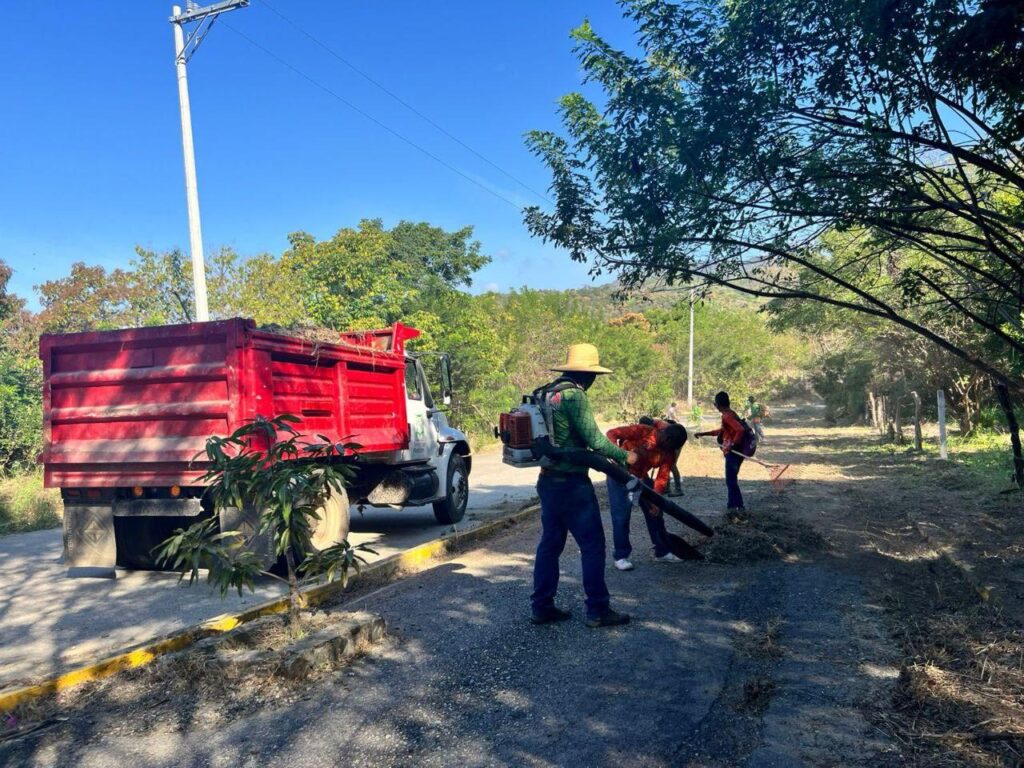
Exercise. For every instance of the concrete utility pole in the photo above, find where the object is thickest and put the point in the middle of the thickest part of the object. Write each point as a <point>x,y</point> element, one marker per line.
<point>689,376</point>
<point>184,48</point>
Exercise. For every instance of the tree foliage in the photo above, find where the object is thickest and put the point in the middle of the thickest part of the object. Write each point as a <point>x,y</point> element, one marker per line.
<point>20,384</point>
<point>501,345</point>
<point>744,131</point>
<point>263,466</point>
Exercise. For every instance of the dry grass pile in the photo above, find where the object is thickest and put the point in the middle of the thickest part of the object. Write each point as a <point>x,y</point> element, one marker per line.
<point>763,536</point>
<point>307,332</point>
<point>757,695</point>
<point>764,641</point>
<point>960,695</point>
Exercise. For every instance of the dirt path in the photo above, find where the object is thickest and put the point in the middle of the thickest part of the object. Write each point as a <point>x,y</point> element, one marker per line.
<point>938,548</point>
<point>854,620</point>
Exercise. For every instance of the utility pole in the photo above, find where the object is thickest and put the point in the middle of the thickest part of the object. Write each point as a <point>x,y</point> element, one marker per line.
<point>184,47</point>
<point>689,377</point>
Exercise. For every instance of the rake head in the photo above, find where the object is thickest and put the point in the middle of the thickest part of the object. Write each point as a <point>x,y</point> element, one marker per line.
<point>781,476</point>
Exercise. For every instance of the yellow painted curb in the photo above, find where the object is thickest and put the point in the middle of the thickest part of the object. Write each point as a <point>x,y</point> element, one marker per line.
<point>388,568</point>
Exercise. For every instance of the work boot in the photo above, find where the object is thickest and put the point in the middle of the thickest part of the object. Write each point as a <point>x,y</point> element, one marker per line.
<point>736,515</point>
<point>551,616</point>
<point>609,618</point>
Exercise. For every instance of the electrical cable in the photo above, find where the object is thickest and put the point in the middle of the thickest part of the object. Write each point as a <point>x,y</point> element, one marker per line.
<point>368,116</point>
<point>402,101</point>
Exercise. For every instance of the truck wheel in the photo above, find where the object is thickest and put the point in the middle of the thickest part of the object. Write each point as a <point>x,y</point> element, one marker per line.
<point>453,508</point>
<point>332,527</point>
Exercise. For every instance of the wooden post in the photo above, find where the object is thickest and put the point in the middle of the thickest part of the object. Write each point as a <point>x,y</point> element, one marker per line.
<point>1011,421</point>
<point>943,453</point>
<point>874,409</point>
<point>897,421</point>
<point>917,422</point>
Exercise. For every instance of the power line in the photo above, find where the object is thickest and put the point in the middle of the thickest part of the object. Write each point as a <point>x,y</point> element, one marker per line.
<point>403,102</point>
<point>368,116</point>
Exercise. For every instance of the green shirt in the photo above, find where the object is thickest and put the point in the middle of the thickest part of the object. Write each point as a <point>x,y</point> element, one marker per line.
<point>575,427</point>
<point>755,410</point>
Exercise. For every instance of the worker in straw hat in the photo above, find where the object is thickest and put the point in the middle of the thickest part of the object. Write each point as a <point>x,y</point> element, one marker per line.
<point>567,500</point>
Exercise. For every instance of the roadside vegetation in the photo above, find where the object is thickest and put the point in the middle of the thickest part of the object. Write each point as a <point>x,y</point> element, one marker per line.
<point>502,344</point>
<point>26,506</point>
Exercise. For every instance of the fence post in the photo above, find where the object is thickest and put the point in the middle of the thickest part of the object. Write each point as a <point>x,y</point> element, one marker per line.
<point>917,421</point>
<point>943,454</point>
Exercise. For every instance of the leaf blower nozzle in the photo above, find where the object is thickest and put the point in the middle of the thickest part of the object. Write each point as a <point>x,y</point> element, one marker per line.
<point>592,460</point>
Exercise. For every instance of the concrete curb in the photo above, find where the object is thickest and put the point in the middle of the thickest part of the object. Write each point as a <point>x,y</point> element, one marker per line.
<point>388,569</point>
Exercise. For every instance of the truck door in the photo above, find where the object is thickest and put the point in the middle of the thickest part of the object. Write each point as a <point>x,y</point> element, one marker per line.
<point>422,439</point>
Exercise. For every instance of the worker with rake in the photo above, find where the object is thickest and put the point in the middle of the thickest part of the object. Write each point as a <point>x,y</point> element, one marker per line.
<point>657,446</point>
<point>732,436</point>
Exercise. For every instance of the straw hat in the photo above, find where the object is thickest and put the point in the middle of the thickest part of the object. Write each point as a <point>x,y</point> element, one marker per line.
<point>584,359</point>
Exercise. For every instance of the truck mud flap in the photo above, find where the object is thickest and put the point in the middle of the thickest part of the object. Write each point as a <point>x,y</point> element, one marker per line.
<point>89,545</point>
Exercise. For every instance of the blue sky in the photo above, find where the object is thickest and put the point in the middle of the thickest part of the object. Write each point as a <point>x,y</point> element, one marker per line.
<point>91,144</point>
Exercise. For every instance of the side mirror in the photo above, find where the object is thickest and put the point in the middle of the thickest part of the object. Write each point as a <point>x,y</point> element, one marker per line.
<point>446,380</point>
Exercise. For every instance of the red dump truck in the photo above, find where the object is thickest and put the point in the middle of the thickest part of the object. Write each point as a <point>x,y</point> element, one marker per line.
<point>125,412</point>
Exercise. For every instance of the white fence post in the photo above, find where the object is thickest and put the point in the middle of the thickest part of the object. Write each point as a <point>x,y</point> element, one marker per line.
<point>943,454</point>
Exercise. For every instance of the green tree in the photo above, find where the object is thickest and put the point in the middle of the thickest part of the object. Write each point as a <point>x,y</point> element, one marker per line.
<point>443,259</point>
<point>21,385</point>
<point>371,277</point>
<point>743,130</point>
<point>90,298</point>
<point>263,466</point>
<point>734,349</point>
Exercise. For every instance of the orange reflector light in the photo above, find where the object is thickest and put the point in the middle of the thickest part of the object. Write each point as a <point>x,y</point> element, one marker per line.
<point>137,491</point>
<point>175,491</point>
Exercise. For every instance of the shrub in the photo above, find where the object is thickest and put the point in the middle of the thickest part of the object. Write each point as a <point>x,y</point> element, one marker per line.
<point>26,506</point>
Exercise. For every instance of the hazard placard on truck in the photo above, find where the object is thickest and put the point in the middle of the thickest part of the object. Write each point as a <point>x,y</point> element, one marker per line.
<point>126,412</point>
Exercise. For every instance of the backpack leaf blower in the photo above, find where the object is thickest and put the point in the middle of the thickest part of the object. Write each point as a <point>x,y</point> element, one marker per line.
<point>526,434</point>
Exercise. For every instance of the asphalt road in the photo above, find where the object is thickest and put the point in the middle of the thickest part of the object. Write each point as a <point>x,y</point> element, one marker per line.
<point>466,680</point>
<point>762,665</point>
<point>49,622</point>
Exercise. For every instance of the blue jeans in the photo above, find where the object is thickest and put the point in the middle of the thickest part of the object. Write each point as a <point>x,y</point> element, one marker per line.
<point>568,504</point>
<point>732,483</point>
<point>618,501</point>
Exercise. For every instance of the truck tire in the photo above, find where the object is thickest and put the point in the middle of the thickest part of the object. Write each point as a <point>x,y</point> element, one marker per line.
<point>332,527</point>
<point>452,508</point>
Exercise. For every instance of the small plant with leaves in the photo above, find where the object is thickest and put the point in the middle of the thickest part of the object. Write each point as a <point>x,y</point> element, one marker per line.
<point>696,415</point>
<point>263,466</point>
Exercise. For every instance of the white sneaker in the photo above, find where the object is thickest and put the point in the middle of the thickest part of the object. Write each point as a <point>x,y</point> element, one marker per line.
<point>624,565</point>
<point>668,557</point>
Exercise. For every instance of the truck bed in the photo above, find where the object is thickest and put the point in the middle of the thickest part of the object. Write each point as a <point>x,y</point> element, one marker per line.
<point>133,407</point>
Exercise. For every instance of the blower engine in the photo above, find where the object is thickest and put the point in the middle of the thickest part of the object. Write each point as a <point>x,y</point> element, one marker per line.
<point>519,430</point>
